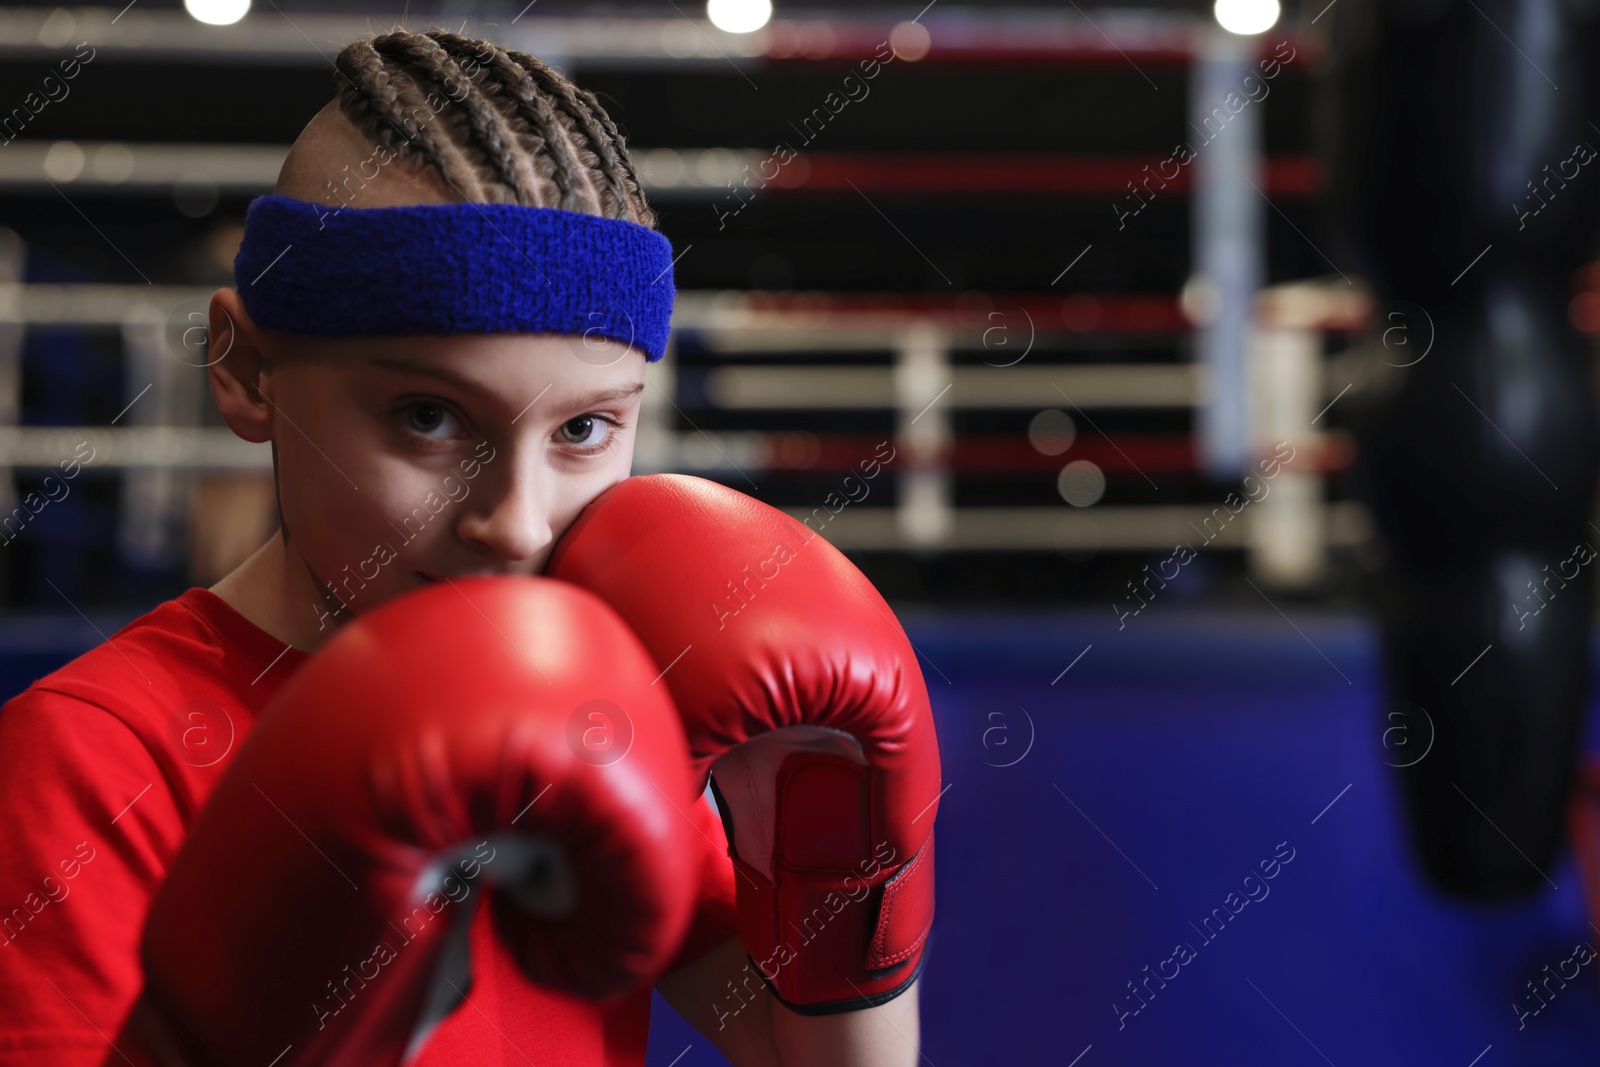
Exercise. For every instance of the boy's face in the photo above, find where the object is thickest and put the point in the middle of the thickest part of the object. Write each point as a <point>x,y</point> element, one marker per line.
<point>404,460</point>
<point>408,459</point>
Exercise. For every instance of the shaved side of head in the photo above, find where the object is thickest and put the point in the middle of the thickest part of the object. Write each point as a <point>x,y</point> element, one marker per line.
<point>332,154</point>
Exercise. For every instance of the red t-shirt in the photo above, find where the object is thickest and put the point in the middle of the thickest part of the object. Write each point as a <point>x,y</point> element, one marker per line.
<point>104,766</point>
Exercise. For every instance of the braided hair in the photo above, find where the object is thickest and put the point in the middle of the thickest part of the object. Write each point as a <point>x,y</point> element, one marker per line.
<point>497,126</point>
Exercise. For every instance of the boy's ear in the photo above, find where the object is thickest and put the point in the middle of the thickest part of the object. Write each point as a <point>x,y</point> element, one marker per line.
<point>237,368</point>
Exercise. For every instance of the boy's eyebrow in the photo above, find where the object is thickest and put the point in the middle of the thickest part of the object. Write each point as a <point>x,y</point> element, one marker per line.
<point>606,396</point>
<point>406,366</point>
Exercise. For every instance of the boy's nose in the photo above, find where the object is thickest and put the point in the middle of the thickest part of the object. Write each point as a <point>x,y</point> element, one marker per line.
<point>514,525</point>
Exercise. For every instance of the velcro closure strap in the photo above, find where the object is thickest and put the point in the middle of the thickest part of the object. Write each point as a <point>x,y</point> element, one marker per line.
<point>905,914</point>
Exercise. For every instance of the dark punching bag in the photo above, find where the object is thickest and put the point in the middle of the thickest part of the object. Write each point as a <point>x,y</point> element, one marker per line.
<point>1465,188</point>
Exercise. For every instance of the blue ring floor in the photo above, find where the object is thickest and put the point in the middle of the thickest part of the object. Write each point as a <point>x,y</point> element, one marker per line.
<point>1172,758</point>
<point>1168,759</point>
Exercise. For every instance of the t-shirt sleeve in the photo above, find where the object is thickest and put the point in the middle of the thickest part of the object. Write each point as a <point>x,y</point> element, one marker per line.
<point>90,828</point>
<point>715,916</point>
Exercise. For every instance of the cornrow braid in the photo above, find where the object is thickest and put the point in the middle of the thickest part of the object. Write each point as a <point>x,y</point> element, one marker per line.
<point>588,133</point>
<point>375,101</point>
<point>523,132</point>
<point>533,114</point>
<point>491,138</point>
<point>616,145</point>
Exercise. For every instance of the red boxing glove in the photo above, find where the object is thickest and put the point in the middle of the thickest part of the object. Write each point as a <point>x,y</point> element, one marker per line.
<point>802,697</point>
<point>432,753</point>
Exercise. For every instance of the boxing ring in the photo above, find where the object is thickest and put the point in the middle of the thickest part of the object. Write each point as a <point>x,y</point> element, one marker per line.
<point>1113,772</point>
<point>1172,828</point>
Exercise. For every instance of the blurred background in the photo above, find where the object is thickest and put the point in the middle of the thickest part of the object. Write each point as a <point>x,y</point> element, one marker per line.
<point>1117,344</point>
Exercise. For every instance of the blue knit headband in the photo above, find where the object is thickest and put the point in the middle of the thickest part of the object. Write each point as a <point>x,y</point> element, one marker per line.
<point>454,268</point>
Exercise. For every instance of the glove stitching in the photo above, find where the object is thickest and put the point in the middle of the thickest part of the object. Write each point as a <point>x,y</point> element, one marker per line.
<point>886,914</point>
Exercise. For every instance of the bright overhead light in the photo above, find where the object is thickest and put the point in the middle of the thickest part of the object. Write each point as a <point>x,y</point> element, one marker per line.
<point>217,12</point>
<point>1247,16</point>
<point>739,16</point>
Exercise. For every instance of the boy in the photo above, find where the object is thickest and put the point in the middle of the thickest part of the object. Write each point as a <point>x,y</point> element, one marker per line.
<point>399,459</point>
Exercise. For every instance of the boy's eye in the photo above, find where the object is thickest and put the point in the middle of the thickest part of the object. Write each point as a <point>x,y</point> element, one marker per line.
<point>426,417</point>
<point>588,432</point>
